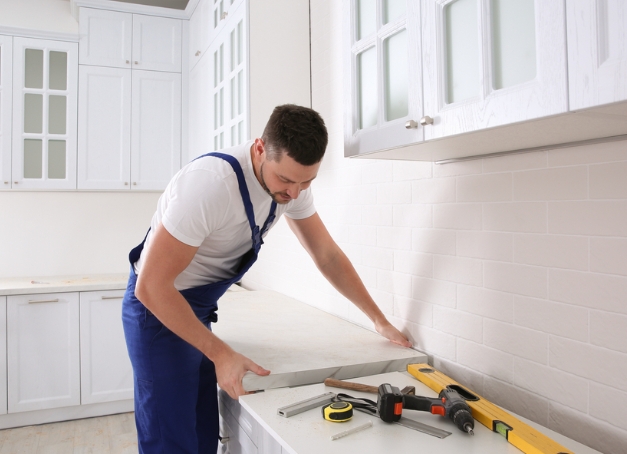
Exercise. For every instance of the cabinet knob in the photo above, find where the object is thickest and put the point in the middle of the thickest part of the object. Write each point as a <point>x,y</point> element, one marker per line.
<point>197,53</point>
<point>426,120</point>
<point>137,63</point>
<point>6,182</point>
<point>128,62</point>
<point>16,182</point>
<point>126,183</point>
<point>411,124</point>
<point>134,183</point>
<point>224,14</point>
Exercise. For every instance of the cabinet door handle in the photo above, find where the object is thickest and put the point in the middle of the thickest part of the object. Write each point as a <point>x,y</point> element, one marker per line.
<point>224,14</point>
<point>197,53</point>
<point>426,120</point>
<point>112,297</point>
<point>56,300</point>
<point>137,63</point>
<point>128,62</point>
<point>411,124</point>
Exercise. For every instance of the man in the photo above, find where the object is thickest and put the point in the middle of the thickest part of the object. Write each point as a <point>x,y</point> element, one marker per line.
<point>203,237</point>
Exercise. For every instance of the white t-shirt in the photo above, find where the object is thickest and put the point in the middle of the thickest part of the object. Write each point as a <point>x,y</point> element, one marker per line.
<point>202,207</point>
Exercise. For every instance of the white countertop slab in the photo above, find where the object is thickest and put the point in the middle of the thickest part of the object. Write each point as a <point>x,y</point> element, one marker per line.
<point>309,433</point>
<point>300,344</point>
<point>56,284</point>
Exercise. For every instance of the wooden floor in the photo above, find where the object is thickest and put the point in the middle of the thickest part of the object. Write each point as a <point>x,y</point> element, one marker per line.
<point>103,435</point>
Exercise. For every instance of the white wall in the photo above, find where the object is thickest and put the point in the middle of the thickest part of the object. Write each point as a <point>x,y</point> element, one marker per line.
<point>48,15</point>
<point>511,272</point>
<point>71,233</point>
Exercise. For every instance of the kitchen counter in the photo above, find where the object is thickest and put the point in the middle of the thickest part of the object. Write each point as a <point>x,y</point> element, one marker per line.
<point>308,433</point>
<point>300,344</point>
<point>56,284</point>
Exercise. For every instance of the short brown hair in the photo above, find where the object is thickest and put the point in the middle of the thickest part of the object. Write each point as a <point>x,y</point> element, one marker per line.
<point>299,131</point>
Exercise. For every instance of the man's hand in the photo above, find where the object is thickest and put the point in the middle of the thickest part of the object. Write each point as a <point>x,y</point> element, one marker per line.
<point>387,330</point>
<point>230,369</point>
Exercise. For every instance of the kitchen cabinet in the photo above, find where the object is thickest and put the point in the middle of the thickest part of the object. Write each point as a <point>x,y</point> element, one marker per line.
<point>597,52</point>
<point>496,77</point>
<point>257,57</point>
<point>125,40</point>
<point>3,355</point>
<point>45,90</point>
<point>6,96</point>
<point>43,351</point>
<point>106,372</point>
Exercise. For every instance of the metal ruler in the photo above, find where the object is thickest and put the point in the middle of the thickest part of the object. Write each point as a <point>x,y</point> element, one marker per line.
<point>519,434</point>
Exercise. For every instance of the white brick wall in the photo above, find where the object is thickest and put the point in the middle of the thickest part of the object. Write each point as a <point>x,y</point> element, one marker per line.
<point>510,272</point>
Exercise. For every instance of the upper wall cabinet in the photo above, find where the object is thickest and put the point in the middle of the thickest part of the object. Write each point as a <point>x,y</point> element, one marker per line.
<point>597,52</point>
<point>124,40</point>
<point>6,96</point>
<point>44,114</point>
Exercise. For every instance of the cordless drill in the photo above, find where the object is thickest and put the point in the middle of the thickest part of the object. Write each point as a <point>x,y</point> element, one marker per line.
<point>448,404</point>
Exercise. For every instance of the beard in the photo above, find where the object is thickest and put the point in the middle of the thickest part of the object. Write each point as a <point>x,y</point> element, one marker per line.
<point>278,197</point>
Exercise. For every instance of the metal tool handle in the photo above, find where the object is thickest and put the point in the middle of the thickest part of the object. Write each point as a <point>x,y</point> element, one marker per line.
<point>332,382</point>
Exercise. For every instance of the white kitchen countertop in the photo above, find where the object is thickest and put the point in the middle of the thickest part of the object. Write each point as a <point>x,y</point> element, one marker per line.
<point>57,284</point>
<point>309,433</point>
<point>300,344</point>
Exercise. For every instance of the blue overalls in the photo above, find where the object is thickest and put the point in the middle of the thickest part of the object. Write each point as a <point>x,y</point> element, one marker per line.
<point>176,403</point>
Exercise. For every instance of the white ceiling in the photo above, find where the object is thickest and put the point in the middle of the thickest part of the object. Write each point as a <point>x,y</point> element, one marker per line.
<point>175,4</point>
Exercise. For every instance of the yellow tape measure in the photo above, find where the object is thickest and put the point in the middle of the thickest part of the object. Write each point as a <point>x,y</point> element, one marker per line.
<point>337,411</point>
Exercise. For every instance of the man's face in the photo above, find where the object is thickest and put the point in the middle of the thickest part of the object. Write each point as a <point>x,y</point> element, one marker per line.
<point>283,180</point>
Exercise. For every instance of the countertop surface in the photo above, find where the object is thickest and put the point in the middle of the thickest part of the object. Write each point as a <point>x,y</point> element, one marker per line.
<point>300,344</point>
<point>56,284</point>
<point>308,433</point>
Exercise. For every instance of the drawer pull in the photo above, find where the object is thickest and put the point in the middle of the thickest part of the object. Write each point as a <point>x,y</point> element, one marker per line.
<point>223,440</point>
<point>43,301</point>
<point>112,297</point>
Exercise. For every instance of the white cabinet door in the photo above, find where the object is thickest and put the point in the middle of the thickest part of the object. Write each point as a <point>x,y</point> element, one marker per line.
<point>3,355</point>
<point>199,28</point>
<point>156,43</point>
<point>105,38</point>
<point>45,90</point>
<point>597,52</point>
<point>6,96</point>
<point>229,83</point>
<point>104,128</point>
<point>491,63</point>
<point>156,129</point>
<point>199,108</point>
<point>43,351</point>
<point>106,373</point>
<point>383,87</point>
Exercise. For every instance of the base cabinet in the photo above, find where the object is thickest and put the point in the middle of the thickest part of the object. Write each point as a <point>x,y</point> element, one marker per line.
<point>3,355</point>
<point>106,372</point>
<point>42,351</point>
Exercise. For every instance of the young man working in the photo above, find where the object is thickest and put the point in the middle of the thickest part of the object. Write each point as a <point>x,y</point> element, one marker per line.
<point>205,234</point>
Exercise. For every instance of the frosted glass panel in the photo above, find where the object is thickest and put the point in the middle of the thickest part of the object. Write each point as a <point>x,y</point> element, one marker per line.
<point>233,97</point>
<point>221,106</point>
<point>240,44</point>
<point>233,50</point>
<point>393,9</point>
<point>33,113</point>
<point>33,157</point>
<point>34,68</point>
<point>221,58</point>
<point>513,42</point>
<point>367,79</point>
<point>216,110</point>
<point>58,71</point>
<point>240,92</point>
<point>462,50</point>
<point>396,76</point>
<point>240,132</point>
<point>56,159</point>
<point>234,135</point>
<point>57,114</point>
<point>216,69</point>
<point>366,17</point>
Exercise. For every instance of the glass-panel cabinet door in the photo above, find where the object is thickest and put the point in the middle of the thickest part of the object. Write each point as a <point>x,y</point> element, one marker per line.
<point>6,96</point>
<point>488,63</point>
<point>229,82</point>
<point>45,114</point>
<point>383,84</point>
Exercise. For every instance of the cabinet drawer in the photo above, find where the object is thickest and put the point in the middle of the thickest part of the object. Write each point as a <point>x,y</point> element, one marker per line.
<point>238,440</point>
<point>244,419</point>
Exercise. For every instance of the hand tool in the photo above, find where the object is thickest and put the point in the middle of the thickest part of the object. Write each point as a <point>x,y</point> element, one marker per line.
<point>448,404</point>
<point>519,434</point>
<point>337,411</point>
<point>351,431</point>
<point>304,405</point>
